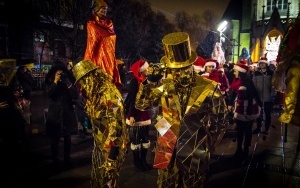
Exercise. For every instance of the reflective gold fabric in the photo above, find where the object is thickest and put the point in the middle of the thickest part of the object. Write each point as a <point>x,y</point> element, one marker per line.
<point>100,47</point>
<point>105,108</point>
<point>193,121</point>
<point>291,112</point>
<point>8,69</point>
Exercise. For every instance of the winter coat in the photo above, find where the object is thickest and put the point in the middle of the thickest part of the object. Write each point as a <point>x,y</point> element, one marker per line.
<point>61,115</point>
<point>142,117</point>
<point>247,104</point>
<point>263,84</point>
<point>79,108</point>
<point>224,84</point>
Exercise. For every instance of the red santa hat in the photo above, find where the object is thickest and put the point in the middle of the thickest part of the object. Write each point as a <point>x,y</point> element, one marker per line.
<point>241,66</point>
<point>199,64</point>
<point>211,62</point>
<point>263,60</point>
<point>143,65</point>
<point>137,67</point>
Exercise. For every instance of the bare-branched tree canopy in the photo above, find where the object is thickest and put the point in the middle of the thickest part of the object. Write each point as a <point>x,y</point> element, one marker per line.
<point>63,21</point>
<point>139,29</point>
<point>197,26</point>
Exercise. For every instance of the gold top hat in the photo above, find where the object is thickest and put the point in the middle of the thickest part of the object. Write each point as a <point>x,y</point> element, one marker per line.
<point>178,50</point>
<point>82,68</point>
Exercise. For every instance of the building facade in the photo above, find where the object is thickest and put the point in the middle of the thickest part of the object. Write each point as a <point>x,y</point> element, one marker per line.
<point>259,29</point>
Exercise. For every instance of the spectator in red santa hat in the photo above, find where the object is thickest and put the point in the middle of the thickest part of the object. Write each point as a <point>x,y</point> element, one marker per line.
<point>233,87</point>
<point>262,79</point>
<point>199,64</point>
<point>210,70</point>
<point>138,120</point>
<point>244,103</point>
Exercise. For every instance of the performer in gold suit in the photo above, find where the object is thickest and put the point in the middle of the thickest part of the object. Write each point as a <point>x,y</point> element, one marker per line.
<point>193,118</point>
<point>288,69</point>
<point>104,106</point>
<point>101,41</point>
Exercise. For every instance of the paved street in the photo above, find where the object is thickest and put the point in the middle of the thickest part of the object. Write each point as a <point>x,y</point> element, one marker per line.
<point>272,161</point>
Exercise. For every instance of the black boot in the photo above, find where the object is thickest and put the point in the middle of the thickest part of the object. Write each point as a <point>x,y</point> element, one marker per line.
<point>246,152</point>
<point>144,163</point>
<point>239,153</point>
<point>67,149</point>
<point>55,149</point>
<point>137,160</point>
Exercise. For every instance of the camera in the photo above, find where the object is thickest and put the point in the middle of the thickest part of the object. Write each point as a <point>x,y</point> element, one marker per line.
<point>64,75</point>
<point>65,79</point>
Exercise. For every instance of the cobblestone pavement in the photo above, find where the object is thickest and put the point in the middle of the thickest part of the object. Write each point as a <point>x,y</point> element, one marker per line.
<point>272,162</point>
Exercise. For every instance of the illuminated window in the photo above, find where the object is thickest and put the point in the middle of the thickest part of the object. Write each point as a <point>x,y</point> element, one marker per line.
<point>281,4</point>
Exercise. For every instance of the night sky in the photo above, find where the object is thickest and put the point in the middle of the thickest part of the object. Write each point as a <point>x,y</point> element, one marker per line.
<point>170,7</point>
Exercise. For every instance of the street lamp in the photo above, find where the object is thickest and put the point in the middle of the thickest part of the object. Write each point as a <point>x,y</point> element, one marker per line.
<point>222,27</point>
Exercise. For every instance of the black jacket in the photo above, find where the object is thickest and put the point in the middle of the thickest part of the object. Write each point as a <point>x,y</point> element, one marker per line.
<point>61,112</point>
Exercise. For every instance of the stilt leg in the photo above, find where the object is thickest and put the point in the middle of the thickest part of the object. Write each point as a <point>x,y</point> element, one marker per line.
<point>285,133</point>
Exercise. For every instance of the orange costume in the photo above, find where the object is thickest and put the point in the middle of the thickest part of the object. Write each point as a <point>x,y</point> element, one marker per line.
<point>101,40</point>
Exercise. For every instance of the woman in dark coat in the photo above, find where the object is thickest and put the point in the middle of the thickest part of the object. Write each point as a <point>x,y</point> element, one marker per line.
<point>61,117</point>
<point>245,104</point>
<point>138,120</point>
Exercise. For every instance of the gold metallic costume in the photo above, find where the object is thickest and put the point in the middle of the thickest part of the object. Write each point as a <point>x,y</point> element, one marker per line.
<point>104,107</point>
<point>287,74</point>
<point>193,120</point>
<point>8,69</point>
<point>291,114</point>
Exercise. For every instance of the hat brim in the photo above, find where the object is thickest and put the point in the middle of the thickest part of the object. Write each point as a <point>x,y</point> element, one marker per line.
<point>240,69</point>
<point>263,61</point>
<point>210,63</point>
<point>83,68</point>
<point>83,75</point>
<point>177,65</point>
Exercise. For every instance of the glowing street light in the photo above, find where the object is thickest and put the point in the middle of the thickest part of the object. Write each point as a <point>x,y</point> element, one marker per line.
<point>222,27</point>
